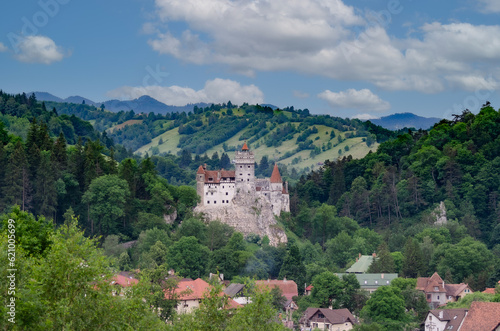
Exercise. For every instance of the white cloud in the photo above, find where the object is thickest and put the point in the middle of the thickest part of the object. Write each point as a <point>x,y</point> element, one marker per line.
<point>39,49</point>
<point>325,38</point>
<point>355,99</point>
<point>365,117</point>
<point>3,48</point>
<point>489,6</point>
<point>216,91</point>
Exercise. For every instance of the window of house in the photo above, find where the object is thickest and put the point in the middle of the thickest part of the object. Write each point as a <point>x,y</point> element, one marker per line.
<point>376,282</point>
<point>436,288</point>
<point>428,296</point>
<point>320,315</point>
<point>438,297</point>
<point>366,282</point>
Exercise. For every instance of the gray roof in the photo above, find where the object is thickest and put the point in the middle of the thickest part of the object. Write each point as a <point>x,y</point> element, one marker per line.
<point>370,281</point>
<point>361,265</point>
<point>234,289</point>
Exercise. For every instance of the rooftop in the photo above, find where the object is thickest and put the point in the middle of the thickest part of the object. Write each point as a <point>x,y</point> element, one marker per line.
<point>361,265</point>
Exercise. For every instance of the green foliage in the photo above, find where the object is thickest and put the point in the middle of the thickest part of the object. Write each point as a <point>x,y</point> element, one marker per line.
<point>188,258</point>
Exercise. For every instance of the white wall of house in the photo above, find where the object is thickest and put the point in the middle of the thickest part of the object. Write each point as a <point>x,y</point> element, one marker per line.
<point>187,306</point>
<point>432,323</point>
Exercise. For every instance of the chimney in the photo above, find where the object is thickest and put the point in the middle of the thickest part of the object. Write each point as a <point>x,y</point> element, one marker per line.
<point>441,315</point>
<point>382,276</point>
<point>204,166</point>
<point>359,255</point>
<point>284,279</point>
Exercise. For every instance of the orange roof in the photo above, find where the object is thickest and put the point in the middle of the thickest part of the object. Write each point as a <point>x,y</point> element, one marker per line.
<point>227,173</point>
<point>192,289</point>
<point>428,284</point>
<point>484,316</point>
<point>245,147</point>
<point>200,170</point>
<point>196,289</point>
<point>287,287</point>
<point>309,288</point>
<point>276,177</point>
<point>489,290</point>
<point>124,281</point>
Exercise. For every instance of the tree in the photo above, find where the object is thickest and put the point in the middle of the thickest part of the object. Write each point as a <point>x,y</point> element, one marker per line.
<point>17,188</point>
<point>327,290</point>
<point>45,193</point>
<point>293,268</point>
<point>106,202</point>
<point>413,259</point>
<point>384,262</point>
<point>217,235</point>
<point>385,306</point>
<point>188,258</point>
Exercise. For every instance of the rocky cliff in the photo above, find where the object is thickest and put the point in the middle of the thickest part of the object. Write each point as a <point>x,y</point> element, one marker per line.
<point>247,215</point>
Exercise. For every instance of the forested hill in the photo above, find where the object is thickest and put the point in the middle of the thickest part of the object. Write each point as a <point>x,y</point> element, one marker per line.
<point>294,138</point>
<point>397,189</point>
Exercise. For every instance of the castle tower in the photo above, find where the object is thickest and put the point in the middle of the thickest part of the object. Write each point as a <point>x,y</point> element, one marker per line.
<point>244,164</point>
<point>276,183</point>
<point>200,183</point>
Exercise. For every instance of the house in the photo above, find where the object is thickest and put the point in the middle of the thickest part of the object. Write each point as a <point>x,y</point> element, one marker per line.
<point>191,292</point>
<point>309,290</point>
<point>371,282</point>
<point>288,287</point>
<point>362,264</point>
<point>444,319</point>
<point>483,316</point>
<point>438,293</point>
<point>123,280</point>
<point>489,290</point>
<point>327,319</point>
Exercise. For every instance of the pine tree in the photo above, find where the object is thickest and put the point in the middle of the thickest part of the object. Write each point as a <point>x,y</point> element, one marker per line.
<point>45,195</point>
<point>16,190</point>
<point>384,262</point>
<point>413,259</point>
<point>293,268</point>
<point>60,155</point>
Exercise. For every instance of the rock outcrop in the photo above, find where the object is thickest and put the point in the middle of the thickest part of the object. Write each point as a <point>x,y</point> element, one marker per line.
<point>248,214</point>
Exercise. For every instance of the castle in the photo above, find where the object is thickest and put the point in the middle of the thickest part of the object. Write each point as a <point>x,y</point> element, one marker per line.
<point>237,198</point>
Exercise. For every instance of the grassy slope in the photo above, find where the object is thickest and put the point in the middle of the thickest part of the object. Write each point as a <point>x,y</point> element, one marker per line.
<point>357,148</point>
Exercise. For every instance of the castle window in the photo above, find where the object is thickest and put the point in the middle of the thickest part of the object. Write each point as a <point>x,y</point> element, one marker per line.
<point>227,201</point>
<point>208,201</point>
<point>248,167</point>
<point>222,201</point>
<point>227,193</point>
<point>211,193</point>
<point>241,167</point>
<point>215,201</point>
<point>248,179</point>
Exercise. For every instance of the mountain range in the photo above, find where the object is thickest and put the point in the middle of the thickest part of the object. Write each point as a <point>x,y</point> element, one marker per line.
<point>144,104</point>
<point>147,104</point>
<point>405,120</point>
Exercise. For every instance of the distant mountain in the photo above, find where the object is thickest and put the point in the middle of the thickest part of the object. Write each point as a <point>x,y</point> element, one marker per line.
<point>79,99</point>
<point>144,104</point>
<point>408,120</point>
<point>45,96</point>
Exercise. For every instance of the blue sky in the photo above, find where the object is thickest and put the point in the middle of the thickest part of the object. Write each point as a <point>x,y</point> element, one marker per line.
<point>351,58</point>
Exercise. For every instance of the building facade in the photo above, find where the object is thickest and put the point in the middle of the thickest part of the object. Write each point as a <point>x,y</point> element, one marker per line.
<point>221,188</point>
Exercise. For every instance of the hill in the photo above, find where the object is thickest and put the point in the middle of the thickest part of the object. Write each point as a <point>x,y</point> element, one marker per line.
<point>405,120</point>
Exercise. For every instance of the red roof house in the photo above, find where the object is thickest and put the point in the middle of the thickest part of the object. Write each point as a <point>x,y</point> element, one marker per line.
<point>287,287</point>
<point>483,316</point>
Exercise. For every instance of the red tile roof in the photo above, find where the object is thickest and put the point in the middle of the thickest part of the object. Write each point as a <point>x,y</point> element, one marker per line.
<point>196,289</point>
<point>489,290</point>
<point>309,288</point>
<point>428,284</point>
<point>276,177</point>
<point>192,289</point>
<point>200,170</point>
<point>455,289</point>
<point>287,287</point>
<point>124,281</point>
<point>484,316</point>
<point>245,147</point>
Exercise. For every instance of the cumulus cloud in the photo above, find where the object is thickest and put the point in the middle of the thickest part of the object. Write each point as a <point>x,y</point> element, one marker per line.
<point>365,117</point>
<point>217,91</point>
<point>326,38</point>
<point>3,48</point>
<point>355,99</point>
<point>489,6</point>
<point>39,49</point>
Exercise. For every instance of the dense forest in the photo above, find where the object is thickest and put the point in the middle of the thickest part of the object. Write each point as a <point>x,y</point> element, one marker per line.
<point>74,201</point>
